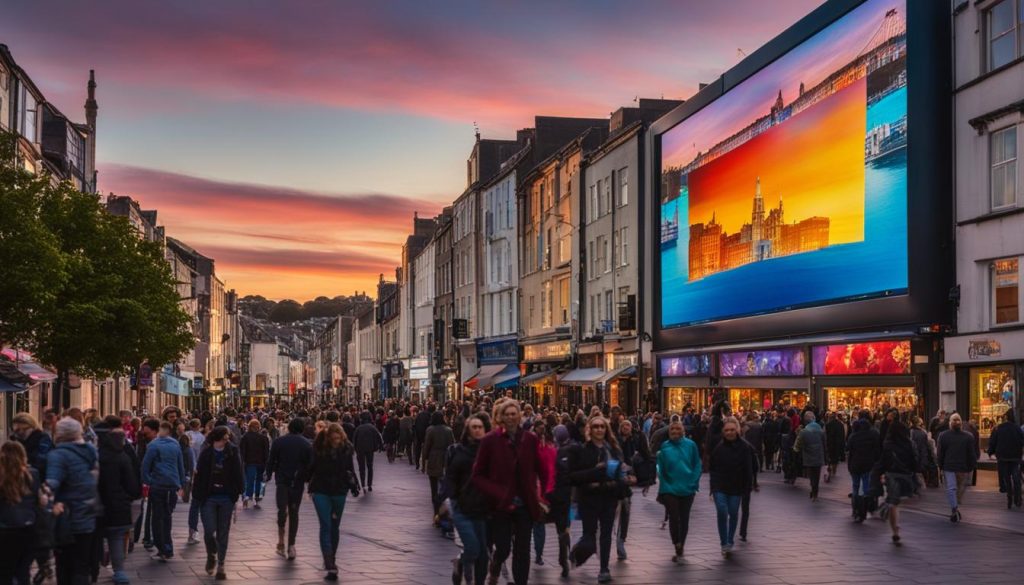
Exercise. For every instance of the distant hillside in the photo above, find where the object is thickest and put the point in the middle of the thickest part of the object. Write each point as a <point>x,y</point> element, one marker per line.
<point>289,311</point>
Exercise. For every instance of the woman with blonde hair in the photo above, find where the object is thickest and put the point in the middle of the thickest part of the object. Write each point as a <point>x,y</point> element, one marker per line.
<point>332,478</point>
<point>601,479</point>
<point>19,505</point>
<point>731,467</point>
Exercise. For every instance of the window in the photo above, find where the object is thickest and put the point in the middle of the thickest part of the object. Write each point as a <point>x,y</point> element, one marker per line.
<point>608,305</point>
<point>616,248</point>
<point>592,213</point>
<point>545,310</point>
<point>623,294</point>
<point>1003,153</point>
<point>547,251</point>
<point>598,205</point>
<point>563,300</point>
<point>532,299</point>
<point>1001,24</point>
<point>592,258</point>
<point>1006,291</point>
<point>624,238</point>
<point>623,186</point>
<point>607,200</point>
<point>604,255</point>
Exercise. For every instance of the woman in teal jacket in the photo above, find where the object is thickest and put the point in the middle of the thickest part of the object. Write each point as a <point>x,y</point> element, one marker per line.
<point>678,482</point>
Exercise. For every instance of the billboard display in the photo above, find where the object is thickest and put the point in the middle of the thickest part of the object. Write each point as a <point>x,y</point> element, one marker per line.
<point>790,190</point>
<point>685,365</point>
<point>789,361</point>
<point>876,357</point>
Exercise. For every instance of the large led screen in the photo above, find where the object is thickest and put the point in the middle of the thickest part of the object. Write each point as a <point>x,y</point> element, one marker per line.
<point>790,190</point>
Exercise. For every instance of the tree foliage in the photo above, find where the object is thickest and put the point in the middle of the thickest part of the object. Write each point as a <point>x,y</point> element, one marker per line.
<point>289,311</point>
<point>94,297</point>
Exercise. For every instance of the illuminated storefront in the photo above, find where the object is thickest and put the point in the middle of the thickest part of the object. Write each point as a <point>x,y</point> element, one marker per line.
<point>993,393</point>
<point>989,369</point>
<point>542,364</point>
<point>686,380</point>
<point>872,375</point>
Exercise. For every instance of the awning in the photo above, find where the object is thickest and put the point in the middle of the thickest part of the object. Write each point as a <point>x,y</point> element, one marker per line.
<point>11,378</point>
<point>619,373</point>
<point>177,385</point>
<point>507,378</point>
<point>482,378</point>
<point>27,365</point>
<point>537,376</point>
<point>582,377</point>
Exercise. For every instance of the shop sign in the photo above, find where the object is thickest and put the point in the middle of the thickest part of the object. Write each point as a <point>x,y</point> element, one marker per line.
<point>460,328</point>
<point>419,373</point>
<point>698,364</point>
<point>983,348</point>
<point>623,360</point>
<point>876,358</point>
<point>789,361</point>
<point>145,374</point>
<point>546,351</point>
<point>498,352</point>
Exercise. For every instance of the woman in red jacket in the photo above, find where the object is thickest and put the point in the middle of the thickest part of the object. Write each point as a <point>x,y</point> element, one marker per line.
<point>509,474</point>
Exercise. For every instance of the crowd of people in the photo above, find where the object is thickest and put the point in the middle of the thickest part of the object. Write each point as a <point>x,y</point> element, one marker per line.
<point>86,489</point>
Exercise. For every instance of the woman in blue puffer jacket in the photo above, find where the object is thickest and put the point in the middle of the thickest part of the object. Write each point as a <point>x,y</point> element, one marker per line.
<point>72,471</point>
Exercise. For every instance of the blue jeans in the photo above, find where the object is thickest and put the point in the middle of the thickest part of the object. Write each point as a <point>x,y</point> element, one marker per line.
<point>728,508</point>
<point>328,512</point>
<point>539,538</point>
<point>118,543</point>
<point>253,480</point>
<point>861,483</point>
<point>473,533</point>
<point>216,526</point>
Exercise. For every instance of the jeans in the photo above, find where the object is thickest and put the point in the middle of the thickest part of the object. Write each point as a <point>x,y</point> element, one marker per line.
<point>539,539</point>
<point>511,534</point>
<point>288,500</point>
<point>163,502</point>
<point>117,542</point>
<point>365,461</point>
<point>254,481</point>
<point>74,561</point>
<point>625,507</point>
<point>473,533</point>
<point>728,508</point>
<point>216,526</point>
<point>956,485</point>
<point>592,516</point>
<point>1009,480</point>
<point>814,474</point>
<point>328,511</point>
<point>678,510</point>
<point>861,483</point>
<point>193,515</point>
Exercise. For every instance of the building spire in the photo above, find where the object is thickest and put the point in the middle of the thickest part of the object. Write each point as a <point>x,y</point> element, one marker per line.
<point>90,104</point>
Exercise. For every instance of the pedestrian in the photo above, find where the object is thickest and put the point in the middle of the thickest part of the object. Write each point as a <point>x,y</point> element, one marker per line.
<point>254,447</point>
<point>896,468</point>
<point>72,473</point>
<point>1007,445</point>
<point>835,441</point>
<point>548,452</point>
<point>957,461</point>
<point>405,434</point>
<point>753,433</point>
<point>163,470</point>
<point>419,427</point>
<point>469,509</point>
<point>508,473</point>
<point>435,444</point>
<point>219,482</point>
<point>560,498</point>
<point>289,461</point>
<point>810,444</point>
<point>635,452</point>
<point>679,471</point>
<point>332,478</point>
<point>392,429</point>
<point>37,444</point>
<point>731,471</point>
<point>20,509</point>
<point>864,447</point>
<point>600,477</point>
<point>770,436</point>
<point>367,440</point>
<point>119,487</point>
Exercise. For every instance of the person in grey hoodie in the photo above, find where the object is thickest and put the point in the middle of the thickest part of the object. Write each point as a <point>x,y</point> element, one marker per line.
<point>957,460</point>
<point>811,445</point>
<point>72,473</point>
<point>163,470</point>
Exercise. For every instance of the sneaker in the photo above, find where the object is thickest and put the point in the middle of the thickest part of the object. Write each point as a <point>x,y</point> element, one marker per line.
<point>159,557</point>
<point>291,552</point>
<point>280,549</point>
<point>193,537</point>
<point>121,578</point>
<point>604,577</point>
<point>954,515</point>
<point>221,575</point>
<point>147,544</point>
<point>211,564</point>
<point>332,575</point>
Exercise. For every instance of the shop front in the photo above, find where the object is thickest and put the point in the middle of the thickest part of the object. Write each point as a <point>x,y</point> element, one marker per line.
<point>868,375</point>
<point>989,370</point>
<point>543,362</point>
<point>499,366</point>
<point>686,381</point>
<point>761,379</point>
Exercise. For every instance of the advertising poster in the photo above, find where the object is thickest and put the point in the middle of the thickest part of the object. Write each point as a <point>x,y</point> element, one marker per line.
<point>763,363</point>
<point>790,190</point>
<point>877,357</point>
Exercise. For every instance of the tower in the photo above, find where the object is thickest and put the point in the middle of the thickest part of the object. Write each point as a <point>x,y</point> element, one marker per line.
<point>90,119</point>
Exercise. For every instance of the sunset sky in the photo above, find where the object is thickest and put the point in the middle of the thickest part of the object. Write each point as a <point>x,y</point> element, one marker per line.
<point>814,160</point>
<point>292,141</point>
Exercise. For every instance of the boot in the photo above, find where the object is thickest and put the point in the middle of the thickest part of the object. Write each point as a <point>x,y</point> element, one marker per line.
<point>563,553</point>
<point>860,511</point>
<point>331,567</point>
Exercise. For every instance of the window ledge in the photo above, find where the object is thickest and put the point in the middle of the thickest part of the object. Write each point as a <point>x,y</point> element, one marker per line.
<point>989,74</point>
<point>992,216</point>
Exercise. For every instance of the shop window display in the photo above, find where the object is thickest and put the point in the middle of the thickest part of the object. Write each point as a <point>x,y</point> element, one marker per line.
<point>791,398</point>
<point>745,400</point>
<point>993,392</point>
<point>851,400</point>
<point>678,398</point>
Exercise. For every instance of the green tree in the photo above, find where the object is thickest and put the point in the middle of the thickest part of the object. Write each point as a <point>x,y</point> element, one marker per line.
<point>286,311</point>
<point>110,301</point>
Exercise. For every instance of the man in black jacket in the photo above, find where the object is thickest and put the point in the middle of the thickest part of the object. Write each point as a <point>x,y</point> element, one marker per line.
<point>957,460</point>
<point>1007,444</point>
<point>419,428</point>
<point>366,440</point>
<point>290,456</point>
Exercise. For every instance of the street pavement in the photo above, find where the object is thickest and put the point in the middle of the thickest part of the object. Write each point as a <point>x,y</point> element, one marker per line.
<point>387,537</point>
